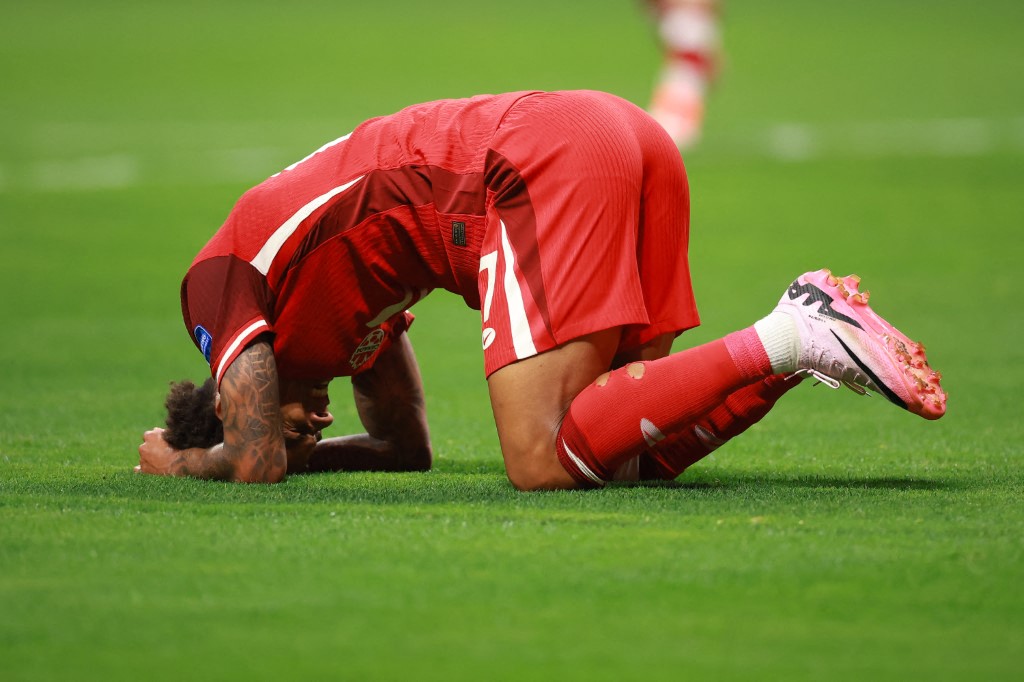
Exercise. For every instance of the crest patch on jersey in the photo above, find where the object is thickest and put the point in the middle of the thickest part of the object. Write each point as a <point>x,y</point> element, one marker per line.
<point>367,348</point>
<point>205,341</point>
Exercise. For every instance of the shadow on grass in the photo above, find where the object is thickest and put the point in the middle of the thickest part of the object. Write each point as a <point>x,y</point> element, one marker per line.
<point>867,482</point>
<point>476,484</point>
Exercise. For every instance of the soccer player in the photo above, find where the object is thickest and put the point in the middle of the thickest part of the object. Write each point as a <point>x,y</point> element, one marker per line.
<point>690,39</point>
<point>564,218</point>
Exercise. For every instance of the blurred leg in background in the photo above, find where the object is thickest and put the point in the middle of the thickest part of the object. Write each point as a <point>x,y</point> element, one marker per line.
<point>691,42</point>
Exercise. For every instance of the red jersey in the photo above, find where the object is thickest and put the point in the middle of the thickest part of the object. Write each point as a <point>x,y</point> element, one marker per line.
<point>509,201</point>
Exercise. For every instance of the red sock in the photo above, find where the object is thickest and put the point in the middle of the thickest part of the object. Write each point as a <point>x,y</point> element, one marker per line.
<point>741,410</point>
<point>634,407</point>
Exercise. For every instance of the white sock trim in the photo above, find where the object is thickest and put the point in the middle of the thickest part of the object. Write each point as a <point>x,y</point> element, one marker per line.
<point>781,341</point>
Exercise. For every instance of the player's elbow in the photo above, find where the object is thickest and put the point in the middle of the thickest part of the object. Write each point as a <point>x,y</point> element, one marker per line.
<point>262,472</point>
<point>418,457</point>
<point>275,474</point>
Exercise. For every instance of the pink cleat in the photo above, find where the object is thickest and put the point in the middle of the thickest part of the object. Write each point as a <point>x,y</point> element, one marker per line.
<point>844,342</point>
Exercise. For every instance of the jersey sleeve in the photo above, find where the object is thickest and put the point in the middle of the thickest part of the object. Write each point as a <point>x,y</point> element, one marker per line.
<point>225,303</point>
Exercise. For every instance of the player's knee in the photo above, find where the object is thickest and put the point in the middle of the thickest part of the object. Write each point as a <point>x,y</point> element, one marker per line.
<point>534,481</point>
<point>538,470</point>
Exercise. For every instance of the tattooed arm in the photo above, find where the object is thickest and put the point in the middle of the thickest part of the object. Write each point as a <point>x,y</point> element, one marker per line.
<point>253,450</point>
<point>389,400</point>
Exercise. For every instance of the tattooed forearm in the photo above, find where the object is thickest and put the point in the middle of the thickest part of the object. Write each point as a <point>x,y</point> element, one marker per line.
<point>253,448</point>
<point>250,402</point>
<point>202,463</point>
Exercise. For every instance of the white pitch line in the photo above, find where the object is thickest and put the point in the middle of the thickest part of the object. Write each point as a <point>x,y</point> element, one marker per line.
<point>184,154</point>
<point>115,171</point>
<point>933,138</point>
<point>1017,133</point>
<point>792,142</point>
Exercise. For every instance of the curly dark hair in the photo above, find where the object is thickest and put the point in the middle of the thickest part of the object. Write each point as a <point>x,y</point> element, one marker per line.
<point>191,418</point>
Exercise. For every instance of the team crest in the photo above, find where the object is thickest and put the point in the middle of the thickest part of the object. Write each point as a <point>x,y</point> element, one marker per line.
<point>368,347</point>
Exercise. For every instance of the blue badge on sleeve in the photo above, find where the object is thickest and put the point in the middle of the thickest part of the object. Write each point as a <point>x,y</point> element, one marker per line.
<point>205,341</point>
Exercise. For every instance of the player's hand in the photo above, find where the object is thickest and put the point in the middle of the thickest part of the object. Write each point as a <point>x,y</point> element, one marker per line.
<point>156,456</point>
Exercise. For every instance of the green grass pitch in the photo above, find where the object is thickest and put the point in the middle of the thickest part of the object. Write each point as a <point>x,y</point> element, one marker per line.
<point>838,539</point>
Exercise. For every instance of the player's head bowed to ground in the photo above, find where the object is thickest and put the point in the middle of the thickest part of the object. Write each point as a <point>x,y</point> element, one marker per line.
<point>564,219</point>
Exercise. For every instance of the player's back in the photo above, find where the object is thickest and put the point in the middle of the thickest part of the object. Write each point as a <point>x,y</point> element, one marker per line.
<point>449,135</point>
<point>355,228</point>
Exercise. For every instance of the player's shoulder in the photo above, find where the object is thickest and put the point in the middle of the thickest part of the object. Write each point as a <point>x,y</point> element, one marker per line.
<point>479,101</point>
<point>482,110</point>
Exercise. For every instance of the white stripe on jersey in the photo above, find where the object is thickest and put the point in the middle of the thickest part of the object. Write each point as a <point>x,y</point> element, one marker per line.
<point>266,256</point>
<point>310,156</point>
<point>522,338</point>
<point>244,335</point>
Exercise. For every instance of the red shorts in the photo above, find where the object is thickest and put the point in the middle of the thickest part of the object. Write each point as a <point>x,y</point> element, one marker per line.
<point>587,228</point>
